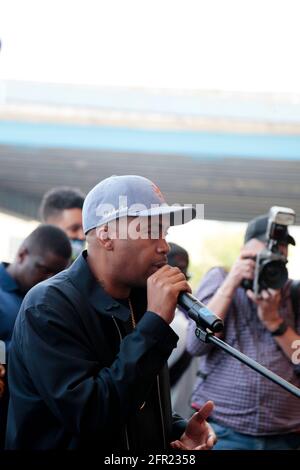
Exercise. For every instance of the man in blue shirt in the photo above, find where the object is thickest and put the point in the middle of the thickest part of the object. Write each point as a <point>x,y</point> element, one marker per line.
<point>45,252</point>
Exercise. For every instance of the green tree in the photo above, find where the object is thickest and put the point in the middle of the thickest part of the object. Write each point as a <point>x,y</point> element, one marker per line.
<point>215,251</point>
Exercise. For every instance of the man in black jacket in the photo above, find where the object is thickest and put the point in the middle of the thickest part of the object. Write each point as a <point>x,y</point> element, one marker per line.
<point>90,345</point>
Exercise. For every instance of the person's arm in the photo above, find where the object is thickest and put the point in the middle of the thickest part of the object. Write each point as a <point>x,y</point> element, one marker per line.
<point>83,388</point>
<point>217,293</point>
<point>287,340</point>
<point>80,391</point>
<point>268,313</point>
<point>243,268</point>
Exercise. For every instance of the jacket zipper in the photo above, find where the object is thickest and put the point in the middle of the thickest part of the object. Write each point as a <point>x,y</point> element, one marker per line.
<point>161,412</point>
<point>120,335</point>
<point>159,399</point>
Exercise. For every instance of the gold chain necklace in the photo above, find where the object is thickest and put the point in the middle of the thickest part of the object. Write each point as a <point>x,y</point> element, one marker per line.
<point>130,307</point>
<point>132,314</point>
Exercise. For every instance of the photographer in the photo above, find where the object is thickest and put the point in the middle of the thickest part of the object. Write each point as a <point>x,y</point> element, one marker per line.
<point>251,413</point>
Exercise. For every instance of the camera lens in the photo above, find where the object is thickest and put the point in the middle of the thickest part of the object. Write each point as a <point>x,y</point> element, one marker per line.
<point>273,274</point>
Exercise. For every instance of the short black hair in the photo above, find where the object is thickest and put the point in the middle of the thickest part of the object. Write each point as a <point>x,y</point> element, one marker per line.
<point>58,199</point>
<point>48,238</point>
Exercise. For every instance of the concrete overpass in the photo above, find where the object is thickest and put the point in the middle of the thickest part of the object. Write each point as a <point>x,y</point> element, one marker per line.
<point>237,154</point>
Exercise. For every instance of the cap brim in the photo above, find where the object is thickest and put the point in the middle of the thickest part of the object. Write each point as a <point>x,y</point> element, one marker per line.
<point>178,215</point>
<point>291,240</point>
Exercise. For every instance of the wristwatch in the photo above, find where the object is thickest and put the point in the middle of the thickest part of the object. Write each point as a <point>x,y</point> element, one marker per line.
<point>281,329</point>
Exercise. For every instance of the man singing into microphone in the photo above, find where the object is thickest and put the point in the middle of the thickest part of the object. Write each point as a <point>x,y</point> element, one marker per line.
<point>90,346</point>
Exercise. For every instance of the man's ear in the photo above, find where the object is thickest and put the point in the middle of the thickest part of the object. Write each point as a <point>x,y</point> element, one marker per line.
<point>103,238</point>
<point>22,254</point>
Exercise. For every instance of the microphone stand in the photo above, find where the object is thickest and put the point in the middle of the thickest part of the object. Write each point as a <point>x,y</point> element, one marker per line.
<point>208,337</point>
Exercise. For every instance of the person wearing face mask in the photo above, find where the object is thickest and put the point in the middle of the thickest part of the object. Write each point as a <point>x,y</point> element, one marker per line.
<point>62,207</point>
<point>251,412</point>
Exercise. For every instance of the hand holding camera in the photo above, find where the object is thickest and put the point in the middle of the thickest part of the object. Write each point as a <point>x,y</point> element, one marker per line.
<point>270,267</point>
<point>268,307</point>
<point>242,269</point>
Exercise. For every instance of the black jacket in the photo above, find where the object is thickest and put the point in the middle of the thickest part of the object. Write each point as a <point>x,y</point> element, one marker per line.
<point>79,374</point>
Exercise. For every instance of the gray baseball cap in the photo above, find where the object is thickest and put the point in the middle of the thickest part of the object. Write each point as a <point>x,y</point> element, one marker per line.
<point>257,228</point>
<point>129,195</point>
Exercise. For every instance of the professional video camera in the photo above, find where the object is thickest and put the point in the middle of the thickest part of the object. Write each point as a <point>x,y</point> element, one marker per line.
<point>270,267</point>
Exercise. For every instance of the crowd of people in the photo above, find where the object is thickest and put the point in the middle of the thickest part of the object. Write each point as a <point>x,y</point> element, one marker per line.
<point>98,351</point>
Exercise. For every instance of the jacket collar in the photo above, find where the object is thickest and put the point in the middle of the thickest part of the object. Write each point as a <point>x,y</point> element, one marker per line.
<point>83,278</point>
<point>7,282</point>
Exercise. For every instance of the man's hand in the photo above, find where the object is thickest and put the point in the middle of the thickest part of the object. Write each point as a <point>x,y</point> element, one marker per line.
<point>267,307</point>
<point>2,383</point>
<point>163,288</point>
<point>243,268</point>
<point>198,435</point>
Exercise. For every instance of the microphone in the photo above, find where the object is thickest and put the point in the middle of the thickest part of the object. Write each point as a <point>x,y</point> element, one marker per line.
<point>198,312</point>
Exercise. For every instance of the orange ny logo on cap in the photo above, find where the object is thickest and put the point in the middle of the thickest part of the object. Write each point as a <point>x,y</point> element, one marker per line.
<point>158,192</point>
